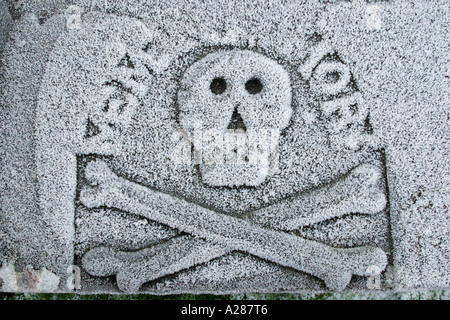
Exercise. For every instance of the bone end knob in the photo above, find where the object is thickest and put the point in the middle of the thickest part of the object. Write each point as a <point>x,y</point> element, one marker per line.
<point>100,261</point>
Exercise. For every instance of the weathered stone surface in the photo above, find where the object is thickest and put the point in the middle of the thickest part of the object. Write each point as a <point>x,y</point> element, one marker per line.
<point>5,24</point>
<point>225,147</point>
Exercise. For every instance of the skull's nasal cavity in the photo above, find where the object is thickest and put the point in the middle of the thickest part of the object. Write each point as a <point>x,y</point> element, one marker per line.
<point>236,122</point>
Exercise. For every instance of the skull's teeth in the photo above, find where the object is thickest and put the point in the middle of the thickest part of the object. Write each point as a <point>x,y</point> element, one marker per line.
<point>235,147</point>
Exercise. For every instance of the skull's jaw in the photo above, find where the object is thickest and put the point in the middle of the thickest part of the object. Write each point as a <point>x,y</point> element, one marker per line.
<point>234,158</point>
<point>249,172</point>
<point>233,175</point>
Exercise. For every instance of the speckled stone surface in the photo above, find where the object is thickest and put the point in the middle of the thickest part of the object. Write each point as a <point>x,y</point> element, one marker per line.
<point>123,125</point>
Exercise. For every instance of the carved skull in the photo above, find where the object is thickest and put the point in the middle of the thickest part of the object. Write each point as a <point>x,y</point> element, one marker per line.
<point>232,105</point>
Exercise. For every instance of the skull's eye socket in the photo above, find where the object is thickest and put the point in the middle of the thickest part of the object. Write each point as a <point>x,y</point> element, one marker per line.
<point>332,77</point>
<point>253,86</point>
<point>218,85</point>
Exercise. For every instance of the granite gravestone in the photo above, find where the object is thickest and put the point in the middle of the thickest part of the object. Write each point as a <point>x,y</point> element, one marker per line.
<point>224,148</point>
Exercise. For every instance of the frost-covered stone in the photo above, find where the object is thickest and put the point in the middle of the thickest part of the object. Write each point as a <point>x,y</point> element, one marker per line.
<point>188,147</point>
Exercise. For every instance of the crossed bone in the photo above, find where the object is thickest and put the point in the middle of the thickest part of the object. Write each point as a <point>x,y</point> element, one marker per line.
<point>210,234</point>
